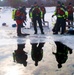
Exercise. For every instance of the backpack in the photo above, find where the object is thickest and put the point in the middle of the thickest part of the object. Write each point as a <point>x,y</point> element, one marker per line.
<point>13,14</point>
<point>19,15</point>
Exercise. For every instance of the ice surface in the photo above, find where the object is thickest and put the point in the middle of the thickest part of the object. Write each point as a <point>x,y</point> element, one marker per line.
<point>7,33</point>
<point>48,64</point>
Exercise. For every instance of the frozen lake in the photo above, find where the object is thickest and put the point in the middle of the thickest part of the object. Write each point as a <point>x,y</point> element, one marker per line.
<point>9,43</point>
<point>46,66</point>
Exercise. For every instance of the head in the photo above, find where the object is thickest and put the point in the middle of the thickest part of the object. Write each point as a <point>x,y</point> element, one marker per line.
<point>70,3</point>
<point>23,7</point>
<point>58,3</point>
<point>59,65</point>
<point>35,4</point>
<point>36,63</point>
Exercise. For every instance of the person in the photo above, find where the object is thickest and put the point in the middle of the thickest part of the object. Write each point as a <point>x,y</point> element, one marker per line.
<point>19,55</point>
<point>70,14</point>
<point>30,10</point>
<point>61,53</point>
<point>44,11</point>
<point>61,14</point>
<point>24,11</point>
<point>37,52</point>
<point>20,17</point>
<point>36,15</point>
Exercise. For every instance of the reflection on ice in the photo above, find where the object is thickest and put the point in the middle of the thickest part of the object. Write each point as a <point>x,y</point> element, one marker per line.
<point>19,55</point>
<point>31,52</point>
<point>27,39</point>
<point>37,47</point>
<point>37,52</point>
<point>12,70</point>
<point>61,54</point>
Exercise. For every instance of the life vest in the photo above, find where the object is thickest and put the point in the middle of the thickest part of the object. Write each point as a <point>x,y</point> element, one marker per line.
<point>20,17</point>
<point>60,11</point>
<point>36,10</point>
<point>43,9</point>
<point>70,9</point>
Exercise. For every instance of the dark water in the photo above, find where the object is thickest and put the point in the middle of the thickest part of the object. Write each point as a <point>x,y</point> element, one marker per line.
<point>36,59</point>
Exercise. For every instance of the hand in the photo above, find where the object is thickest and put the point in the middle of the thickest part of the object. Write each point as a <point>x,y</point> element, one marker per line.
<point>52,15</point>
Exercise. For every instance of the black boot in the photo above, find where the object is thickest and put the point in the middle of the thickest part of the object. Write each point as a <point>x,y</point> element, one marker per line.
<point>35,33</point>
<point>22,35</point>
<point>25,34</point>
<point>42,32</point>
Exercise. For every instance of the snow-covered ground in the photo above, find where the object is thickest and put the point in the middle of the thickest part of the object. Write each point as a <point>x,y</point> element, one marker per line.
<point>48,64</point>
<point>8,31</point>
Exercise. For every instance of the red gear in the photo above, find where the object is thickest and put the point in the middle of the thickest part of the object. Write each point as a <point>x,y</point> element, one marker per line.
<point>60,12</point>
<point>36,10</point>
<point>70,9</point>
<point>43,9</point>
<point>20,14</point>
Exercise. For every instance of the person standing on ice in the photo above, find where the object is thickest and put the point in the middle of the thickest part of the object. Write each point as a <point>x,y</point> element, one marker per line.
<point>36,15</point>
<point>20,17</point>
<point>61,14</point>
<point>70,14</point>
<point>44,11</point>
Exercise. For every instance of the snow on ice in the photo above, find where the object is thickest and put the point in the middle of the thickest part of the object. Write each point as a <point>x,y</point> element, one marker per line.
<point>9,41</point>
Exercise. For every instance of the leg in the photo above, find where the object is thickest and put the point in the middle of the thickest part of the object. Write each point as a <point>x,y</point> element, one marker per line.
<point>43,18</point>
<point>72,19</point>
<point>18,29</point>
<point>57,26</point>
<point>63,25</point>
<point>40,25</point>
<point>35,25</point>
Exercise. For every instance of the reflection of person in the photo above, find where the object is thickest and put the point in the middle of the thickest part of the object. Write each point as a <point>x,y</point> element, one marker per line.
<point>37,52</point>
<point>61,53</point>
<point>19,55</point>
<point>36,15</point>
<point>20,18</point>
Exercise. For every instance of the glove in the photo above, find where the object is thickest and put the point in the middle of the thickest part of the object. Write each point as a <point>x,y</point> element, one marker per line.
<point>52,15</point>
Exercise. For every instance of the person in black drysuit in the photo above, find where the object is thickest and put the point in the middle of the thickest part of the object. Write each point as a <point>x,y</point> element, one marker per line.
<point>37,52</point>
<point>36,15</point>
